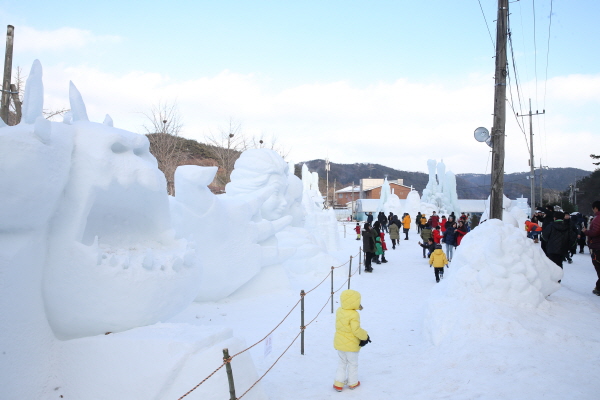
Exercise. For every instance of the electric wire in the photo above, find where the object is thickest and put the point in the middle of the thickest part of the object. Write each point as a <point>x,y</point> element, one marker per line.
<point>535,54</point>
<point>486,24</point>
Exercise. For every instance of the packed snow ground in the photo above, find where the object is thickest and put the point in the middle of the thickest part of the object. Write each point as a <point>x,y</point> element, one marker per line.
<point>505,352</point>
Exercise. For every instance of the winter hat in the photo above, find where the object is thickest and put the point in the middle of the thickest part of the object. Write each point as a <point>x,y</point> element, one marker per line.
<point>438,246</point>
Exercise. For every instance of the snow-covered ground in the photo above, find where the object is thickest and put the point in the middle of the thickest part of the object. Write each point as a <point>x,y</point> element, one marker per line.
<point>502,351</point>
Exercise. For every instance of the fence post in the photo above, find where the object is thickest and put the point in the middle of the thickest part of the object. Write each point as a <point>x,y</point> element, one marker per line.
<point>302,322</point>
<point>332,290</point>
<point>349,272</point>
<point>229,374</point>
<point>359,259</point>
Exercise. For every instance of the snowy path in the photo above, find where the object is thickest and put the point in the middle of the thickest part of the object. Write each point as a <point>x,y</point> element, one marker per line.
<point>551,354</point>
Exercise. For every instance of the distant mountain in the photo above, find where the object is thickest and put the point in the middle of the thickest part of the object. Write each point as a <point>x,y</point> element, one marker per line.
<point>468,186</point>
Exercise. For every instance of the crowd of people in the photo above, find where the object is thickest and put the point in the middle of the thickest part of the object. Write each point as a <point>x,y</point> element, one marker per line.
<point>562,233</point>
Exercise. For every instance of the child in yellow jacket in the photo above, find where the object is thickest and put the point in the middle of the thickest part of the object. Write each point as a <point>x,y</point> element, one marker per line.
<point>347,340</point>
<point>438,260</point>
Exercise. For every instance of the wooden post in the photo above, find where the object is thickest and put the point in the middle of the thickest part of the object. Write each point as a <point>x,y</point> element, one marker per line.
<point>229,374</point>
<point>349,272</point>
<point>359,259</point>
<point>7,73</point>
<point>302,322</point>
<point>497,193</point>
<point>332,290</point>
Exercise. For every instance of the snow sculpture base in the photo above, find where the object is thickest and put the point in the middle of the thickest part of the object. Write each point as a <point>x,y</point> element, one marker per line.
<point>162,361</point>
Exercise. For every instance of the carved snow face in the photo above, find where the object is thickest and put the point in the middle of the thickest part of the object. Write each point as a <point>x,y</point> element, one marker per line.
<point>113,262</point>
<point>275,206</point>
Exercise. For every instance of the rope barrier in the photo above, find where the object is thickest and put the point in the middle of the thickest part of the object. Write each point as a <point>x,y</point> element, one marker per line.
<point>302,328</point>
<point>267,371</point>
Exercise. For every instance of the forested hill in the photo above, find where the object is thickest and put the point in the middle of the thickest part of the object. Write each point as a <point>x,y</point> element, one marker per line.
<point>468,186</point>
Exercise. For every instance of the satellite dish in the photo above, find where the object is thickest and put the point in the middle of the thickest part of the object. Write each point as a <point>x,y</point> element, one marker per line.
<point>482,134</point>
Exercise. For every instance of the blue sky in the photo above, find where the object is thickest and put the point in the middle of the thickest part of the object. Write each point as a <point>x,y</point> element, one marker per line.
<point>392,82</point>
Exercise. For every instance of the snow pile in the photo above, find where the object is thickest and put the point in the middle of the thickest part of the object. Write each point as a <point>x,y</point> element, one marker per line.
<point>494,265</point>
<point>513,211</point>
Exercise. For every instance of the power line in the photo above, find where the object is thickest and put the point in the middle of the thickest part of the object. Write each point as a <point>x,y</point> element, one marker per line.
<point>486,24</point>
<point>535,53</point>
<point>548,53</point>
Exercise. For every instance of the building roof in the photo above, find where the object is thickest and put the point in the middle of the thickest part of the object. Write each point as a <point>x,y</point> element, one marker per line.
<point>348,189</point>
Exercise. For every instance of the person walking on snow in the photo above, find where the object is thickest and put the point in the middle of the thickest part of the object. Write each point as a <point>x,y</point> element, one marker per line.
<point>593,235</point>
<point>357,230</point>
<point>438,260</point>
<point>426,234</point>
<point>450,240</point>
<point>394,231</point>
<point>347,340</point>
<point>418,222</point>
<point>559,238</point>
<point>434,220</point>
<point>437,236</point>
<point>406,224</point>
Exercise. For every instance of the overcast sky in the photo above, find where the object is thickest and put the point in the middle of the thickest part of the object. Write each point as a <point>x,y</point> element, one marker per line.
<point>388,82</point>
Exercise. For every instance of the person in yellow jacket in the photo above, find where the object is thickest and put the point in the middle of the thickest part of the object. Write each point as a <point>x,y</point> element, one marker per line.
<point>347,340</point>
<point>438,260</point>
<point>406,225</point>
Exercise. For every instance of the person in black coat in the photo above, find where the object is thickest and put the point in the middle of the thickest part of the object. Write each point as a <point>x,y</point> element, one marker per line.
<point>559,237</point>
<point>547,219</point>
<point>368,237</point>
<point>450,240</point>
<point>370,218</point>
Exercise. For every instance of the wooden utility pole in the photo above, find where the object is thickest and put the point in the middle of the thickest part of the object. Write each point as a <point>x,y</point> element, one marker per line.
<point>497,194</point>
<point>10,30</point>
<point>531,160</point>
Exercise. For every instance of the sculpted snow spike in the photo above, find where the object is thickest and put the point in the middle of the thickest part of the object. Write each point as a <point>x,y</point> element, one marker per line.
<point>108,120</point>
<point>33,99</point>
<point>77,105</point>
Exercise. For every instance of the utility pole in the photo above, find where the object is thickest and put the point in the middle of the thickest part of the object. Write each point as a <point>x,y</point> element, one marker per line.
<point>10,30</point>
<point>531,159</point>
<point>497,194</point>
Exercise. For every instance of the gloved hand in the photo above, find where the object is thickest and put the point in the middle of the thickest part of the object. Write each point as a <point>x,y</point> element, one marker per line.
<point>447,266</point>
<point>365,342</point>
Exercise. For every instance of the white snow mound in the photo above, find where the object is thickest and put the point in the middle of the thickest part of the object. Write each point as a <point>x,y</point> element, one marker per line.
<point>496,264</point>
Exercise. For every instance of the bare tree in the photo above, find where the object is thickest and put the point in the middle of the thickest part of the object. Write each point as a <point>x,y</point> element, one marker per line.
<point>17,90</point>
<point>227,145</point>
<point>259,142</point>
<point>162,128</point>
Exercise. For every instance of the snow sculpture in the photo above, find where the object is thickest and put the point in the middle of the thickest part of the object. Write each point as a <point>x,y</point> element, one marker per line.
<point>494,263</point>
<point>111,232</point>
<point>450,195</point>
<point>389,202</point>
<point>253,208</point>
<point>441,195</point>
<point>412,204</point>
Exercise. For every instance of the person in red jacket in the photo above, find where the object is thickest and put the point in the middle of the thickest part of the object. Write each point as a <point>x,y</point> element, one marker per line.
<point>443,223</point>
<point>533,230</point>
<point>461,231</point>
<point>434,220</point>
<point>593,235</point>
<point>357,230</point>
<point>437,236</point>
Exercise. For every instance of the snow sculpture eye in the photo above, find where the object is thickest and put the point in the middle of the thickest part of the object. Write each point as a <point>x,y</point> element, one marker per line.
<point>118,148</point>
<point>139,151</point>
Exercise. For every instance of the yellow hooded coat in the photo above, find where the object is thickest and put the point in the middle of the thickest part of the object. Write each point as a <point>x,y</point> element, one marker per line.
<point>438,259</point>
<point>348,332</point>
